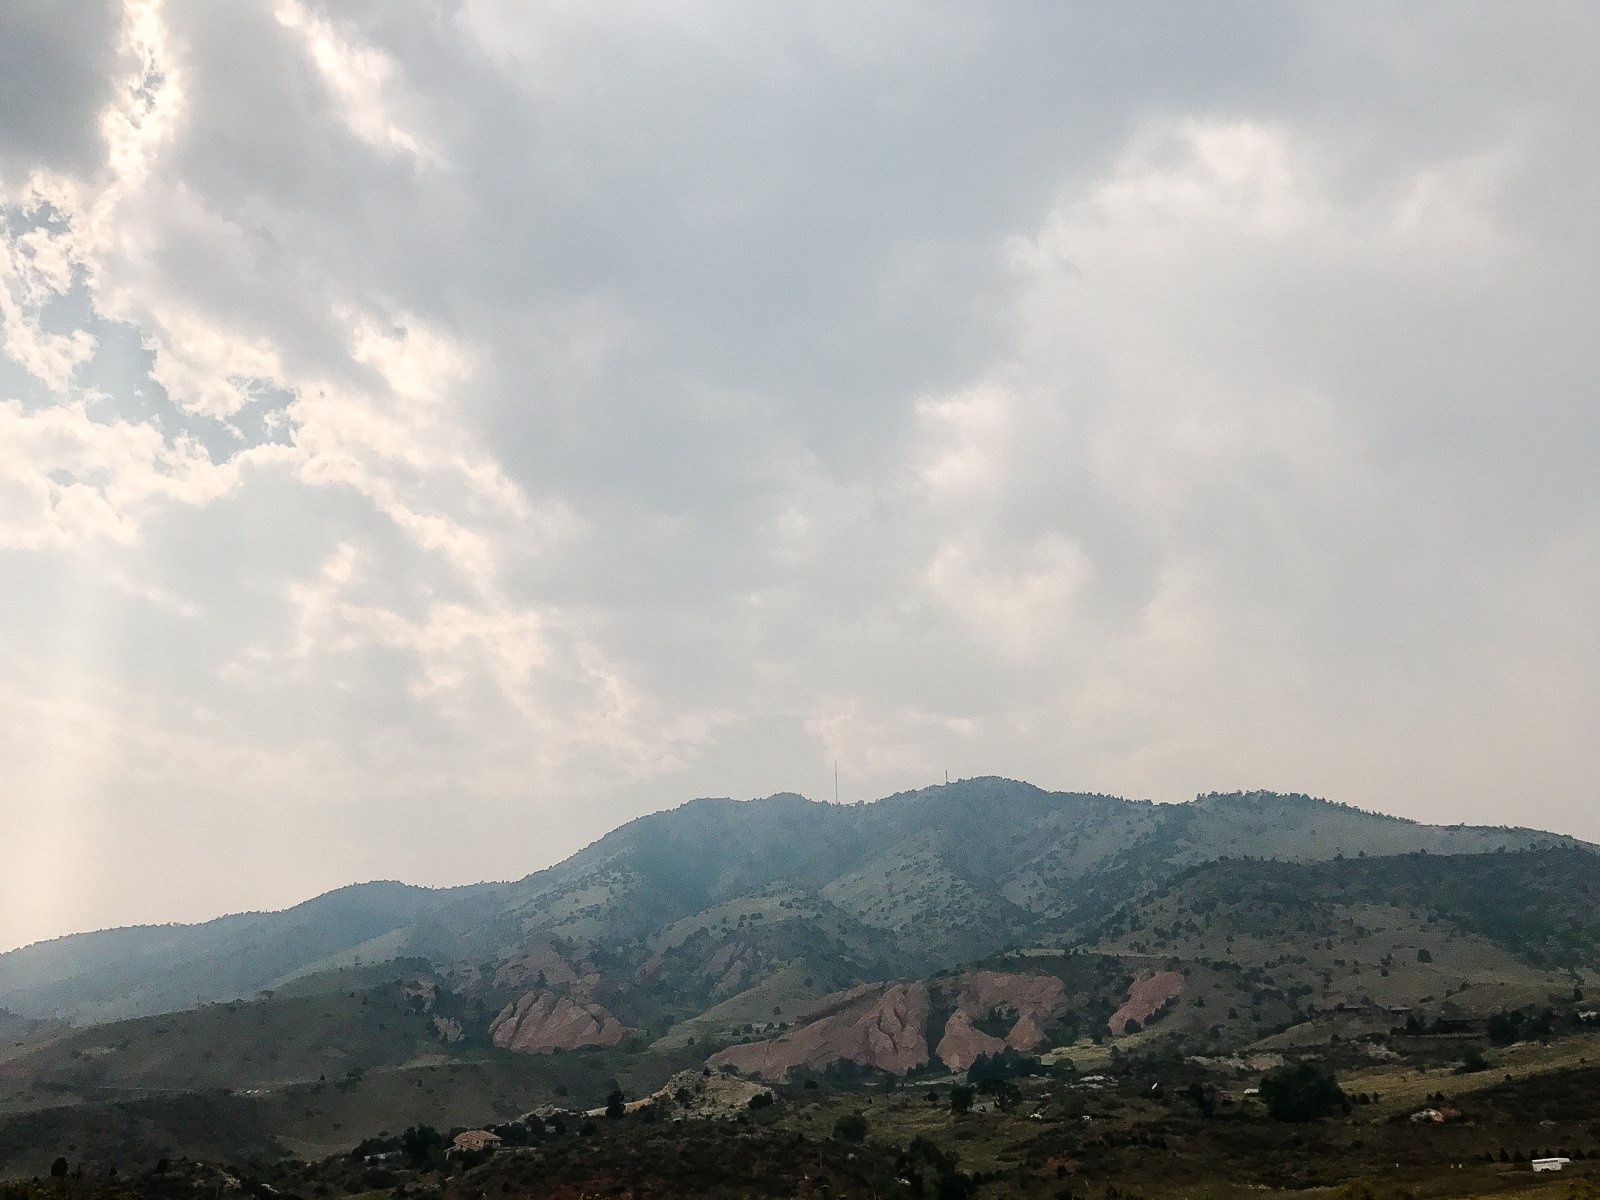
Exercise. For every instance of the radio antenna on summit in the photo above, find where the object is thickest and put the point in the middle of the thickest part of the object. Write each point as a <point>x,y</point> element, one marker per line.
<point>836,781</point>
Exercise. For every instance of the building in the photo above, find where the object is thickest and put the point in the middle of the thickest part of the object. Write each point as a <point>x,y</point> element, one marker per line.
<point>474,1140</point>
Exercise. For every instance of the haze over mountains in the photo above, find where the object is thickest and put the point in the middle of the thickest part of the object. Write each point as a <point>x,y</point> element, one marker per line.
<point>914,883</point>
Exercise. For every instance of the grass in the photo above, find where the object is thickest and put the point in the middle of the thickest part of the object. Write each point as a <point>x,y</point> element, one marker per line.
<point>1406,1086</point>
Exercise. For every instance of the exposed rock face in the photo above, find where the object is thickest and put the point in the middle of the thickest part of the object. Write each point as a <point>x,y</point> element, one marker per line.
<point>449,1029</point>
<point>1033,998</point>
<point>1148,993</point>
<point>1036,996</point>
<point>963,1042</point>
<point>877,1025</point>
<point>1026,1034</point>
<point>538,1022</point>
<point>693,1094</point>
<point>422,994</point>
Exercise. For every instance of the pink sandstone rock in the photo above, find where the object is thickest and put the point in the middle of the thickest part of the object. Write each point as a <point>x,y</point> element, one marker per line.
<point>963,1042</point>
<point>538,1022</point>
<point>878,1025</point>
<point>1148,992</point>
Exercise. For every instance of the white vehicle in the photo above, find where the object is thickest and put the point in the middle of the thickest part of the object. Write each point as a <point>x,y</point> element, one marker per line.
<point>1550,1164</point>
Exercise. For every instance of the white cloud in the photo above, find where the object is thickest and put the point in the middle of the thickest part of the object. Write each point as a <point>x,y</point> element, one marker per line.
<point>557,411</point>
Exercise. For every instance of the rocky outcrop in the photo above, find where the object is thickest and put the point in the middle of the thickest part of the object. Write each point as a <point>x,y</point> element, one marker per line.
<point>421,994</point>
<point>962,1042</point>
<point>1036,996</point>
<point>1149,992</point>
<point>698,1095</point>
<point>538,1022</point>
<point>1027,1034</point>
<point>1029,999</point>
<point>880,1025</point>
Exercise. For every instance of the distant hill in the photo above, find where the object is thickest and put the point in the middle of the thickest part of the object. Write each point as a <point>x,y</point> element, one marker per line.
<point>148,969</point>
<point>787,893</point>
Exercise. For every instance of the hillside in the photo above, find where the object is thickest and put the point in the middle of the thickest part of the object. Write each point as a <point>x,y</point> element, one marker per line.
<point>1541,907</point>
<point>911,884</point>
<point>150,969</point>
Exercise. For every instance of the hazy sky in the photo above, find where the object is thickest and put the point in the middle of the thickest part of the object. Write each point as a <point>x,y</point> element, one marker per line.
<point>435,431</point>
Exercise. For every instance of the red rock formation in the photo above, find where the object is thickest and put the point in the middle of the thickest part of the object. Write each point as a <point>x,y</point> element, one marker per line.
<point>541,1021</point>
<point>1148,993</point>
<point>963,1042</point>
<point>1026,1033</point>
<point>877,1025</point>
<point>1036,996</point>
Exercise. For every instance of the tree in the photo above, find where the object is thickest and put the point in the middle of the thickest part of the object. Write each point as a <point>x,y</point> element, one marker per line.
<point>1424,955</point>
<point>1505,1028</point>
<point>615,1106</point>
<point>58,1169</point>
<point>1300,1092</point>
<point>852,1127</point>
<point>1203,1097</point>
<point>960,1100</point>
<point>1007,1095</point>
<point>421,1143</point>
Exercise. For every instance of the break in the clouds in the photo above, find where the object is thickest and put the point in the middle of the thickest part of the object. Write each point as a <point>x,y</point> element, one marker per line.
<point>432,432</point>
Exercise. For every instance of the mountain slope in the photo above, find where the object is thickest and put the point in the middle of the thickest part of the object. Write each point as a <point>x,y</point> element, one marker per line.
<point>149,969</point>
<point>911,884</point>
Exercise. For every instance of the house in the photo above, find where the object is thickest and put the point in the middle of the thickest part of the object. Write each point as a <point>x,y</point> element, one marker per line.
<point>1550,1164</point>
<point>474,1140</point>
<point>1437,1116</point>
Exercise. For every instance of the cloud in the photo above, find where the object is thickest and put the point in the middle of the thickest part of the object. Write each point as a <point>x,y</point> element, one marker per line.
<point>416,423</point>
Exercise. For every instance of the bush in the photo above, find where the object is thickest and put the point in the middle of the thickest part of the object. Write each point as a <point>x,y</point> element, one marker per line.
<point>1301,1092</point>
<point>852,1127</point>
<point>421,1144</point>
<point>960,1100</point>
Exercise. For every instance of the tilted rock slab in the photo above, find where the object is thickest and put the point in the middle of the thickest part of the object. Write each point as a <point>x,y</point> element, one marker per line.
<point>1149,992</point>
<point>880,1025</point>
<point>538,1022</point>
<point>963,1042</point>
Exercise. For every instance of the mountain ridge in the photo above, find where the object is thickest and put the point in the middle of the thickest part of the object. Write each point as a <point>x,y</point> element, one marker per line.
<point>938,875</point>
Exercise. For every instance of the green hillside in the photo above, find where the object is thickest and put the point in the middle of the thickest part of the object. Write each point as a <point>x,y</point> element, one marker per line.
<point>911,884</point>
<point>120,973</point>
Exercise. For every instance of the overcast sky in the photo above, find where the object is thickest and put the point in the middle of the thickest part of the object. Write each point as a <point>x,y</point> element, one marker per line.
<point>435,431</point>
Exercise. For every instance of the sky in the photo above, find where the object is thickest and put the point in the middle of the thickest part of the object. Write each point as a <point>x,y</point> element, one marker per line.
<point>433,432</point>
